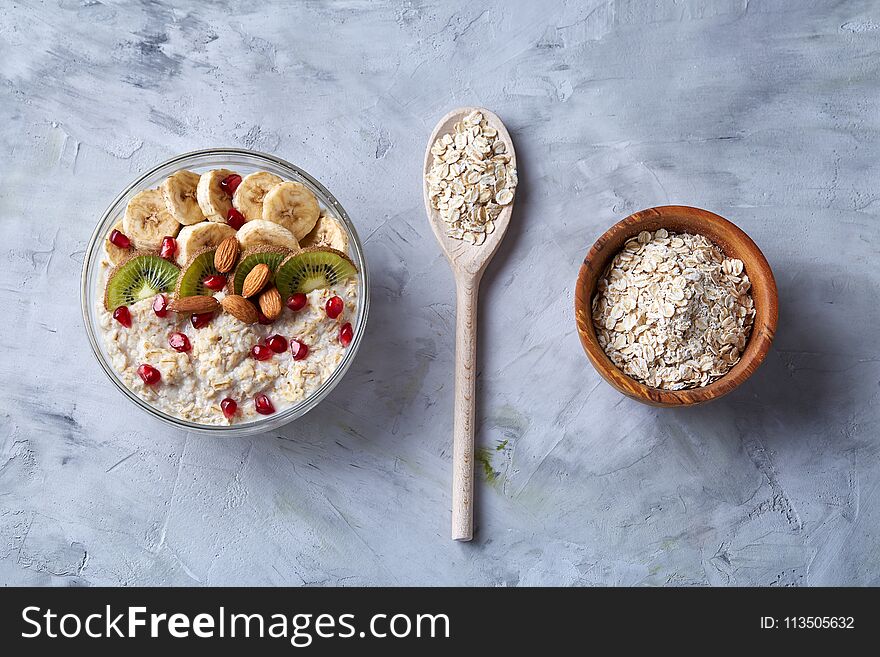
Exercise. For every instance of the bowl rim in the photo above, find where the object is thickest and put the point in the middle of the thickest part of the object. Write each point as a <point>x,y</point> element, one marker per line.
<point>760,338</point>
<point>261,424</point>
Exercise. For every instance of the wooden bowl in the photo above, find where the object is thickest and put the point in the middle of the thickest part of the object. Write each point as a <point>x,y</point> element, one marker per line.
<point>735,243</point>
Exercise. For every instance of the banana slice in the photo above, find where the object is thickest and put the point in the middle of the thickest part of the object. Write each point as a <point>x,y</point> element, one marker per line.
<point>147,220</point>
<point>114,253</point>
<point>213,201</point>
<point>192,239</point>
<point>257,232</point>
<point>327,232</point>
<point>248,198</point>
<point>179,191</point>
<point>292,205</point>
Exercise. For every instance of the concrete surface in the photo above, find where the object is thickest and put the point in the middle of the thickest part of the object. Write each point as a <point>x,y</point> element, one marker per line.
<point>765,111</point>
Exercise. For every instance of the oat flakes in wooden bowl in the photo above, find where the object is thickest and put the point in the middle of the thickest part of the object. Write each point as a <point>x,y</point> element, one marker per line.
<point>757,303</point>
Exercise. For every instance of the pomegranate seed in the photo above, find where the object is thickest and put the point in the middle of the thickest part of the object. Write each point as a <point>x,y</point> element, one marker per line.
<point>160,305</point>
<point>230,183</point>
<point>169,248</point>
<point>334,307</point>
<point>346,334</point>
<point>179,342</point>
<point>149,374</point>
<point>297,301</point>
<point>119,239</point>
<point>277,343</point>
<point>122,316</point>
<point>265,321</point>
<point>299,349</point>
<point>263,405</point>
<point>229,407</point>
<point>215,282</point>
<point>235,218</point>
<point>261,352</point>
<point>201,320</point>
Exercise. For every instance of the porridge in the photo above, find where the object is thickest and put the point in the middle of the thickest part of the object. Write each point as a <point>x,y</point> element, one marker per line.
<point>672,311</point>
<point>471,178</point>
<point>226,296</point>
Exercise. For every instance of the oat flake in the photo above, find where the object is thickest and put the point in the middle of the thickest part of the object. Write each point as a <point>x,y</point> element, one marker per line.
<point>471,179</point>
<point>672,311</point>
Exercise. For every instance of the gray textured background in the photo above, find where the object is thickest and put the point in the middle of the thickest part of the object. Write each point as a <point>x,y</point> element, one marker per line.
<point>765,111</point>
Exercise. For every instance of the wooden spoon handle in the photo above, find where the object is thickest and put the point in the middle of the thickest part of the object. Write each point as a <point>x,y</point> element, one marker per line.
<point>467,288</point>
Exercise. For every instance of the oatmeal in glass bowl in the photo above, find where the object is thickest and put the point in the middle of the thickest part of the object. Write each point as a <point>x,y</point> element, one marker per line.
<point>225,291</point>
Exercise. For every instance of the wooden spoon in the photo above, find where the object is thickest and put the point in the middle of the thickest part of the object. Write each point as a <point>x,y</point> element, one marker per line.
<point>468,263</point>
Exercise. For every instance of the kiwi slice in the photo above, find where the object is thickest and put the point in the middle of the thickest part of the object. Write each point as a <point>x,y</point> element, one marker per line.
<point>142,275</point>
<point>311,269</point>
<point>199,267</point>
<point>271,256</point>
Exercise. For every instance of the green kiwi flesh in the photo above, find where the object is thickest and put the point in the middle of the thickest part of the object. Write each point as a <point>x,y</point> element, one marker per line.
<point>251,259</point>
<point>141,276</point>
<point>200,266</point>
<point>312,269</point>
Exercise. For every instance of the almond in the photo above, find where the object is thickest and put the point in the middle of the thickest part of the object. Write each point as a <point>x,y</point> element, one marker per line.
<point>226,255</point>
<point>196,304</point>
<point>240,308</point>
<point>270,303</point>
<point>255,280</point>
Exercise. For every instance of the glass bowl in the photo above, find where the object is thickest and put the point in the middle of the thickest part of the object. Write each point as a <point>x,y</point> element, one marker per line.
<point>242,161</point>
